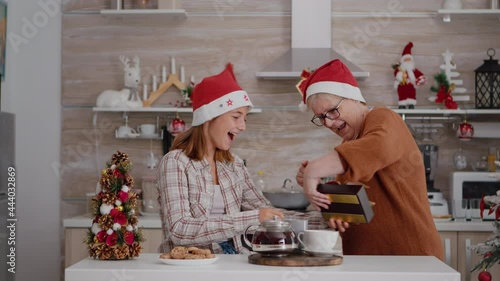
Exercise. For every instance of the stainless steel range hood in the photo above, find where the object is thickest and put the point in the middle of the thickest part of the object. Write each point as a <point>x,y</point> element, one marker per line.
<point>311,43</point>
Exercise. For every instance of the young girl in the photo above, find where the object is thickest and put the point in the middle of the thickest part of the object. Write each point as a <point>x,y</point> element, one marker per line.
<point>205,192</point>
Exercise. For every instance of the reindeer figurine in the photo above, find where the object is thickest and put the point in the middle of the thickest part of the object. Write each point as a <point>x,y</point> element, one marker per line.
<point>129,96</point>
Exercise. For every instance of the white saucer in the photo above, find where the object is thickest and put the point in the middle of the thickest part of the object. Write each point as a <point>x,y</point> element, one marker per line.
<point>322,254</point>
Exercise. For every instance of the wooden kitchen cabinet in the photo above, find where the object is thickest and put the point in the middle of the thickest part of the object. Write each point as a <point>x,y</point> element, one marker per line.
<point>467,258</point>
<point>449,241</point>
<point>458,255</point>
<point>75,249</point>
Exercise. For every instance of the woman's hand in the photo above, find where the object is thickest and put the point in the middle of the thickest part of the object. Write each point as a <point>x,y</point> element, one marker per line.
<point>300,174</point>
<point>311,191</point>
<point>338,225</point>
<point>269,213</point>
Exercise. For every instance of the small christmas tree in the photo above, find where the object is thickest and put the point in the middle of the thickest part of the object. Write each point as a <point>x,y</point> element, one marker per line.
<point>114,233</point>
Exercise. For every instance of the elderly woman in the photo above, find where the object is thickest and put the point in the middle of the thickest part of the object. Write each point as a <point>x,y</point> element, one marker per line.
<point>378,151</point>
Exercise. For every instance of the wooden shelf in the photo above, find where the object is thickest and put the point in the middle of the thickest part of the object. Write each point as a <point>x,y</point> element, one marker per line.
<point>154,109</point>
<point>177,12</point>
<point>445,112</point>
<point>468,12</point>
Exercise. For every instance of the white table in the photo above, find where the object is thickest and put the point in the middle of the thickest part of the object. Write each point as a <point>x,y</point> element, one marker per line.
<point>236,267</point>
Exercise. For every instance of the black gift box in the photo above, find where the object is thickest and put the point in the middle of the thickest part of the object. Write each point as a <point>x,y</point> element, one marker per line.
<point>349,203</point>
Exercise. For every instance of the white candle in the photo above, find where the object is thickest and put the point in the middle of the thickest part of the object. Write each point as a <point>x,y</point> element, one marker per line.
<point>163,74</point>
<point>155,84</point>
<point>182,74</point>
<point>172,66</point>
<point>145,92</point>
<point>191,79</point>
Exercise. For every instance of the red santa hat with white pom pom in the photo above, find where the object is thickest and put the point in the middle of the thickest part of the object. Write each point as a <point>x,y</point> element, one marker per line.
<point>407,51</point>
<point>216,95</point>
<point>331,78</point>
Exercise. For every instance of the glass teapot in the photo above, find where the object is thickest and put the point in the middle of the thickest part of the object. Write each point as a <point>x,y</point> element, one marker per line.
<point>272,238</point>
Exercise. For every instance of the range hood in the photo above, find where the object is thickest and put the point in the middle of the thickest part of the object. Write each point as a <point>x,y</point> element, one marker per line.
<point>311,43</point>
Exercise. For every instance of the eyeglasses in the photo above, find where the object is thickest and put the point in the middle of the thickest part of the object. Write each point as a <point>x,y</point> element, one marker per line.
<point>332,114</point>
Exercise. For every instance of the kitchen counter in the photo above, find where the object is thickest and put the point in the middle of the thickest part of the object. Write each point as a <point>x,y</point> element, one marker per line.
<point>230,267</point>
<point>153,221</point>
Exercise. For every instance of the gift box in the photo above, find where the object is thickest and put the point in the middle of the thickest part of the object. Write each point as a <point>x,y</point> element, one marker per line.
<point>349,203</point>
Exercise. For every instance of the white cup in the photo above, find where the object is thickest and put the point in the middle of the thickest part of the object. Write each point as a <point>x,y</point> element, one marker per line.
<point>125,131</point>
<point>320,241</point>
<point>146,129</point>
<point>459,209</point>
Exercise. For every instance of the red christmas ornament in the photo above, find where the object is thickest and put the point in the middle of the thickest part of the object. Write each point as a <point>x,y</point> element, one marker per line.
<point>484,276</point>
<point>177,126</point>
<point>111,239</point>
<point>120,218</point>
<point>487,255</point>
<point>129,237</point>
<point>101,236</point>
<point>123,196</point>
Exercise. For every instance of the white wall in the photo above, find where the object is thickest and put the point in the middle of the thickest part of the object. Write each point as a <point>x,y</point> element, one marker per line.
<point>32,91</point>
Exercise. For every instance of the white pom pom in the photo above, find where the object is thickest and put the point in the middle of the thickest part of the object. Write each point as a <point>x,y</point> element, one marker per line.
<point>116,226</point>
<point>118,202</point>
<point>112,167</point>
<point>129,228</point>
<point>303,107</point>
<point>132,212</point>
<point>125,188</point>
<point>95,228</point>
<point>105,209</point>
<point>109,232</point>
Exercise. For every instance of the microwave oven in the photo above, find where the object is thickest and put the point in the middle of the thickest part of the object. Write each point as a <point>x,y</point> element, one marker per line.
<point>469,185</point>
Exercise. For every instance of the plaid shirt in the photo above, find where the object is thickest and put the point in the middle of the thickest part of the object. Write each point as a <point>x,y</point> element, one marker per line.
<point>186,191</point>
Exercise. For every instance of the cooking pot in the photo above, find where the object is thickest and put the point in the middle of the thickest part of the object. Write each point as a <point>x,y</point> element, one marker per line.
<point>272,238</point>
<point>287,197</point>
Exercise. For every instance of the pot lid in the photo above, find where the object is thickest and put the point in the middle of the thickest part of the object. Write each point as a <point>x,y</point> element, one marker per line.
<point>276,225</point>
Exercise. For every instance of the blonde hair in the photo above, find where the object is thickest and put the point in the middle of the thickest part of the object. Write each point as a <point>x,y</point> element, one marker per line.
<point>193,143</point>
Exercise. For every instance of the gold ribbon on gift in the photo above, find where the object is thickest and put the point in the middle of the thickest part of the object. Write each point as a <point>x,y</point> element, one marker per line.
<point>341,198</point>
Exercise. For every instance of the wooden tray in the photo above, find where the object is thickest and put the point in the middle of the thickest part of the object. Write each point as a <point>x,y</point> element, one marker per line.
<point>295,259</point>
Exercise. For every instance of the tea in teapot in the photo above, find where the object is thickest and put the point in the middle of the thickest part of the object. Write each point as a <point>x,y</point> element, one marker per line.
<point>272,238</point>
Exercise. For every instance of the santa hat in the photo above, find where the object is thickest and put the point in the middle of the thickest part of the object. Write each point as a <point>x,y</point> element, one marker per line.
<point>216,95</point>
<point>332,78</point>
<point>407,51</point>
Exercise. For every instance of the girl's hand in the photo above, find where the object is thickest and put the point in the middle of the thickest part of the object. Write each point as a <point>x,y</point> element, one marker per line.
<point>269,214</point>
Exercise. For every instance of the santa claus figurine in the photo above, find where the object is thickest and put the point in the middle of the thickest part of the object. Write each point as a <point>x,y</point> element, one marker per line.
<point>408,78</point>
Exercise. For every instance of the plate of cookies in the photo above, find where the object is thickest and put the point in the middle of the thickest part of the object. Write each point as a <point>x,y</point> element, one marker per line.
<point>180,255</point>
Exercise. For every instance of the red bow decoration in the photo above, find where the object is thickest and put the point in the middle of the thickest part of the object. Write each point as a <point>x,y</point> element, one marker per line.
<point>444,90</point>
<point>301,85</point>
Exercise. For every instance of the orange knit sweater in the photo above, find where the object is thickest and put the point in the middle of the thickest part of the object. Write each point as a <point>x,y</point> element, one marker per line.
<point>387,160</point>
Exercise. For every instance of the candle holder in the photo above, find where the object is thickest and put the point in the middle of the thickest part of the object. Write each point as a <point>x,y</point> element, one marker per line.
<point>488,83</point>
